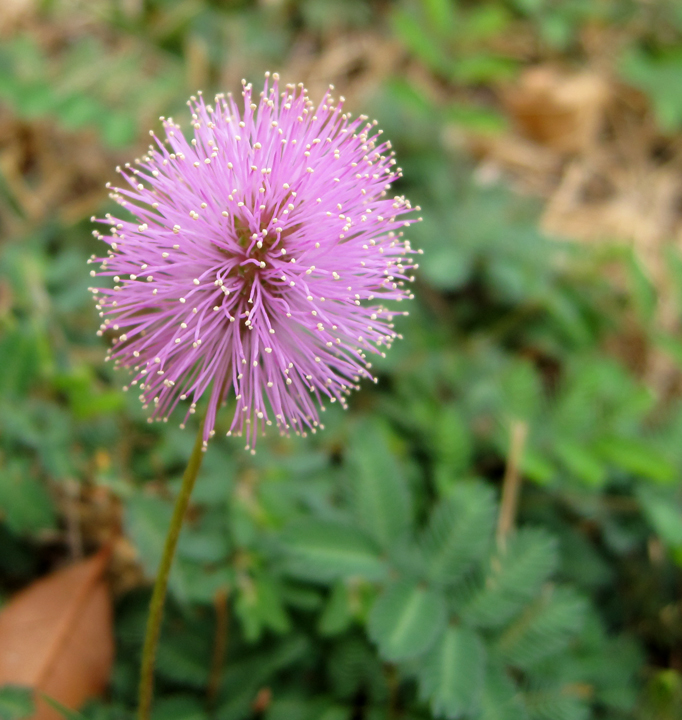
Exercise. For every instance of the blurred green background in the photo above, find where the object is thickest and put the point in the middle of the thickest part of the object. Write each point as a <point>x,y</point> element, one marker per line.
<point>382,569</point>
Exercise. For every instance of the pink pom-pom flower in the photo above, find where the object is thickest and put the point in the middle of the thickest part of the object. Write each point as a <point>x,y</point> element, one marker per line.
<point>258,258</point>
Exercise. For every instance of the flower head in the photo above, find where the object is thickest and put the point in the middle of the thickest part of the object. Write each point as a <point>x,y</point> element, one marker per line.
<point>259,259</point>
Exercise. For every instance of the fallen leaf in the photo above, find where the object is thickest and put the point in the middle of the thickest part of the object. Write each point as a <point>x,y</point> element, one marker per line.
<point>558,109</point>
<point>56,636</point>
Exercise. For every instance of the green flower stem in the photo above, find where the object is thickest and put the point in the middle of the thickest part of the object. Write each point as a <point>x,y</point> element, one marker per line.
<point>151,639</point>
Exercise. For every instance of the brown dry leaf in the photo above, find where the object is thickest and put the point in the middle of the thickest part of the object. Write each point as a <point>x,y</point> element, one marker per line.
<point>558,109</point>
<point>591,147</point>
<point>13,12</point>
<point>57,636</point>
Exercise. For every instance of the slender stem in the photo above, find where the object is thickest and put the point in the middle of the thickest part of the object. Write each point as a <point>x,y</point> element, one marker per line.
<point>222,616</point>
<point>151,639</point>
<point>511,484</point>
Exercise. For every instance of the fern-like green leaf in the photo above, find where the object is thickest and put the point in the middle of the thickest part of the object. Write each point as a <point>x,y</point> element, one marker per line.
<point>451,676</point>
<point>418,39</point>
<point>184,658</point>
<point>242,680</point>
<point>337,613</point>
<point>147,520</point>
<point>322,550</point>
<point>555,703</point>
<point>179,707</point>
<point>259,605</point>
<point>406,619</point>
<point>379,490</point>
<point>501,700</point>
<point>270,604</point>
<point>514,577</point>
<point>64,712</point>
<point>544,629</point>
<point>460,532</point>
<point>16,702</point>
<point>353,667</point>
<point>25,503</point>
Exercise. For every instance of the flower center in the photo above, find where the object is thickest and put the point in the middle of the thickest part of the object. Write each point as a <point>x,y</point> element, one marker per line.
<point>257,253</point>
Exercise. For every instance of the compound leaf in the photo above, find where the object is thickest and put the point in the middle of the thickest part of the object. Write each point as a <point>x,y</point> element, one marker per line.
<point>406,619</point>
<point>545,629</point>
<point>380,495</point>
<point>514,577</point>
<point>452,674</point>
<point>322,550</point>
<point>460,531</point>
